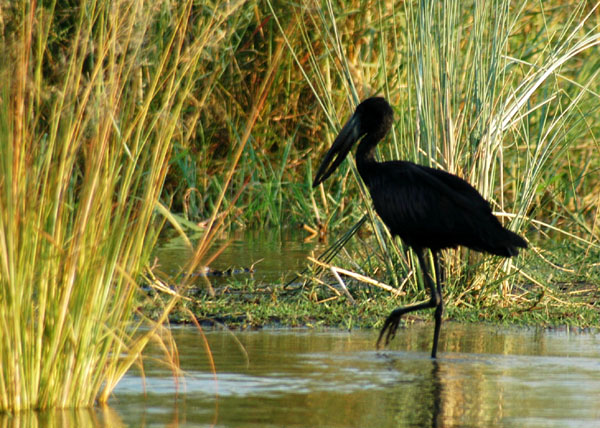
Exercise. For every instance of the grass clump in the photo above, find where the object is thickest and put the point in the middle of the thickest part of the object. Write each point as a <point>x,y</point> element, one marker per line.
<point>91,99</point>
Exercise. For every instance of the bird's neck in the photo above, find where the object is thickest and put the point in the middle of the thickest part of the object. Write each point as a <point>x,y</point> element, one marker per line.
<point>365,155</point>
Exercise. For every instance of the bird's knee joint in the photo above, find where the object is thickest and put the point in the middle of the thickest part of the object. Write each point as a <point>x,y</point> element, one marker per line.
<point>436,300</point>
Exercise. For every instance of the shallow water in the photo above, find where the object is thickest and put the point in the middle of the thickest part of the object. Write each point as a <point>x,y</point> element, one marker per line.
<point>485,376</point>
<point>275,255</point>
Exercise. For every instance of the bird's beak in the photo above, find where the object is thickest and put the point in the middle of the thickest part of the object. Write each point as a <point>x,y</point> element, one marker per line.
<point>341,146</point>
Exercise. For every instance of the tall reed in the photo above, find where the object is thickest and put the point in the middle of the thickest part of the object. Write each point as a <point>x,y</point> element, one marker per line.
<point>469,97</point>
<point>91,100</point>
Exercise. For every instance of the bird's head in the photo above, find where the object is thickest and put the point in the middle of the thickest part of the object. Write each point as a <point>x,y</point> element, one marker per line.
<point>373,116</point>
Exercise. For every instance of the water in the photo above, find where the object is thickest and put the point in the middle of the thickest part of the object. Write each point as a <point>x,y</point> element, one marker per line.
<point>485,377</point>
<point>274,255</point>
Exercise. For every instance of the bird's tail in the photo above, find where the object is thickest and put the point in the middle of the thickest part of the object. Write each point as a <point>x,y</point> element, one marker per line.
<point>508,245</point>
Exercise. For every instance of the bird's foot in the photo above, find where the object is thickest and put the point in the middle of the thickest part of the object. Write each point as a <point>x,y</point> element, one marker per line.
<point>389,327</point>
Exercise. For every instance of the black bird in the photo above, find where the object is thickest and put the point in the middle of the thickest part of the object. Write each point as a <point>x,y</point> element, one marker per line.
<point>425,207</point>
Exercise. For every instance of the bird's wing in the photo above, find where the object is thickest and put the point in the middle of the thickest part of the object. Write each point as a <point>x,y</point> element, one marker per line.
<point>429,205</point>
<point>450,184</point>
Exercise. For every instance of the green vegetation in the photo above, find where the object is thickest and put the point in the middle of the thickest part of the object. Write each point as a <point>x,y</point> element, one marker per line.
<point>220,110</point>
<point>504,95</point>
<point>91,100</point>
<point>568,297</point>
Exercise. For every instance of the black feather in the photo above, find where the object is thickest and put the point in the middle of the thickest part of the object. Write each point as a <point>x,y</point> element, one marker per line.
<point>426,207</point>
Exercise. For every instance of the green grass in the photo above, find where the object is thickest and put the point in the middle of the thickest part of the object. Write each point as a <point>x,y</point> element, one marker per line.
<point>471,101</point>
<point>91,102</point>
<point>504,95</point>
<point>242,304</point>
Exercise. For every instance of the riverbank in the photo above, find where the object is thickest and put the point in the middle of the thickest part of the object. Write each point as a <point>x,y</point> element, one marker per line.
<point>241,304</point>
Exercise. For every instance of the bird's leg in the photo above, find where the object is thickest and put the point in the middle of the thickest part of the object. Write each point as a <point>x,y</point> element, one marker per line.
<point>391,323</point>
<point>439,309</point>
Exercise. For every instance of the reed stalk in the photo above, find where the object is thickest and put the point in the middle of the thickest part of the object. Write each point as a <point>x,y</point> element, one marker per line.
<point>87,123</point>
<point>469,97</point>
